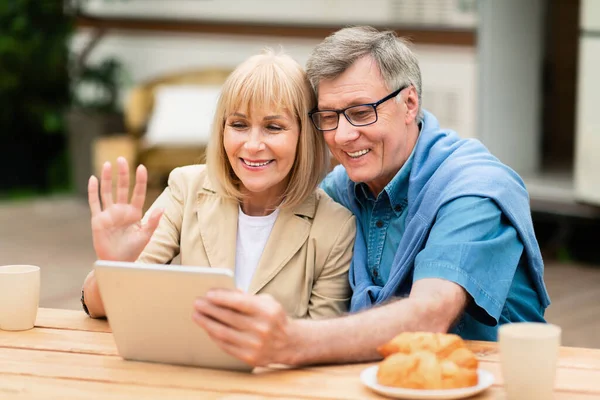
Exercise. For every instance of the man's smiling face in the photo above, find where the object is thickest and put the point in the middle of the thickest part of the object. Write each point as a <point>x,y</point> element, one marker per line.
<point>372,154</point>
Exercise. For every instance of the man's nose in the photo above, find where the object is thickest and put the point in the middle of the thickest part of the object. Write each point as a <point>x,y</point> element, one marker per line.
<point>345,132</point>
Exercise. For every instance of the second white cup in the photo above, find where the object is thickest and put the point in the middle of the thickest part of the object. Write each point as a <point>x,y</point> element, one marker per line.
<point>529,356</point>
<point>19,296</point>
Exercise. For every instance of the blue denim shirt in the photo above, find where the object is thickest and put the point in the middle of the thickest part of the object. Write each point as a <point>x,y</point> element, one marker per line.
<point>383,220</point>
<point>471,243</point>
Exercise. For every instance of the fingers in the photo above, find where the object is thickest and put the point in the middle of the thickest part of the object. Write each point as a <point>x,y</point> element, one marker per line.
<point>122,181</point>
<point>139,191</point>
<point>153,221</point>
<point>231,341</point>
<point>225,316</point>
<point>255,334</point>
<point>122,195</point>
<point>93,196</point>
<point>219,330</point>
<point>243,354</point>
<point>238,301</point>
<point>106,185</point>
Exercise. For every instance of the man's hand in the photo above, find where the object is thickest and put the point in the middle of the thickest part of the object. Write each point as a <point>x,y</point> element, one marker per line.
<point>252,328</point>
<point>256,329</point>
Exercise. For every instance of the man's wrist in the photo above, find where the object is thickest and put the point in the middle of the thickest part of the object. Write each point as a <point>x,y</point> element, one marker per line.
<point>297,349</point>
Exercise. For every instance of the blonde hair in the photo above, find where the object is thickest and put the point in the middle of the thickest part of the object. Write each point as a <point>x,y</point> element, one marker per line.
<point>269,80</point>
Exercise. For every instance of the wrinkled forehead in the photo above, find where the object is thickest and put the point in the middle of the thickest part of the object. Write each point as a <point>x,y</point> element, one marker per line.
<point>336,96</point>
<point>360,83</point>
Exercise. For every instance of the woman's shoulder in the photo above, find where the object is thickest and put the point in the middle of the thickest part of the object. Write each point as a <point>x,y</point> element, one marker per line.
<point>329,211</point>
<point>333,225</point>
<point>185,182</point>
<point>189,173</point>
<point>189,177</point>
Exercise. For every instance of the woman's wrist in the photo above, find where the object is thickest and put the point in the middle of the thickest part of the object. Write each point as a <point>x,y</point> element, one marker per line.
<point>90,297</point>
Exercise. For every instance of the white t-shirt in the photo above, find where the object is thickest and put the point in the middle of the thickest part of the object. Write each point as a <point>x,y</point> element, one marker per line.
<point>252,236</point>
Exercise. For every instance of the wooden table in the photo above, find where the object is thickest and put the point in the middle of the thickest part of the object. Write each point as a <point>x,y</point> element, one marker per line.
<point>69,355</point>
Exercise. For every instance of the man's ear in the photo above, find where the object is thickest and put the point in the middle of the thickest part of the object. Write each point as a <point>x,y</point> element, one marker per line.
<point>412,105</point>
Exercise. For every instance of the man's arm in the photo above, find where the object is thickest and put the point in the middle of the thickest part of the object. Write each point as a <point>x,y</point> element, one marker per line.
<point>433,306</point>
<point>255,328</point>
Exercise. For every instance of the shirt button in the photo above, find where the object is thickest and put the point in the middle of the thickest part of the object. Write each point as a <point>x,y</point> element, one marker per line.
<point>375,273</point>
<point>379,223</point>
<point>398,208</point>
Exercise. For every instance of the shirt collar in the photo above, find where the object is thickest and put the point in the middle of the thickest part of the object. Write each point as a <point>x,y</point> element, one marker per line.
<point>396,190</point>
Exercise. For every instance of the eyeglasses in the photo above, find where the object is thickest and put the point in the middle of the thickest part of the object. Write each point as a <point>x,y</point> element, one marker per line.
<point>359,115</point>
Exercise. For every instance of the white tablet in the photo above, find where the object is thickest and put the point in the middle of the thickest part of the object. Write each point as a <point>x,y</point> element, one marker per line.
<point>149,308</point>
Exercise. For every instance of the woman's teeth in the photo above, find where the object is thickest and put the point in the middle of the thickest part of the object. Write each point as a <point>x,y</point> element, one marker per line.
<point>255,164</point>
<point>358,153</point>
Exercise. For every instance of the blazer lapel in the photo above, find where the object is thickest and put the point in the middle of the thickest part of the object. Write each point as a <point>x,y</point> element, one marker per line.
<point>289,234</point>
<point>218,218</point>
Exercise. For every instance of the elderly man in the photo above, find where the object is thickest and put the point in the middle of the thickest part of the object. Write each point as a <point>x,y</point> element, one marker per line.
<point>445,239</point>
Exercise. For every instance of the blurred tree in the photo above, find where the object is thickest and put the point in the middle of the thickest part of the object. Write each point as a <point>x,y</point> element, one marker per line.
<point>34,91</point>
<point>95,110</point>
<point>40,80</point>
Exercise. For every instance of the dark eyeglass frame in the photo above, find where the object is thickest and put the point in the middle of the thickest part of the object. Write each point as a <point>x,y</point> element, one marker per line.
<point>343,110</point>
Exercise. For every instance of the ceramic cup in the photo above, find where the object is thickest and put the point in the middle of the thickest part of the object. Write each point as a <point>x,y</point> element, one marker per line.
<point>19,296</point>
<point>529,355</point>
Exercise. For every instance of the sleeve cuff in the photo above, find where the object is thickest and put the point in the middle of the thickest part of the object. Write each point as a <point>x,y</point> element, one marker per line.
<point>484,308</point>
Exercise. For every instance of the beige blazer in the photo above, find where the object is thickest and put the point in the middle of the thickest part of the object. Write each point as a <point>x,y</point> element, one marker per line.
<point>305,261</point>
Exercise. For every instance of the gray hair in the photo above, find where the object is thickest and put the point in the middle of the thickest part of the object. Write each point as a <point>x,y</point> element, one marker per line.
<point>397,63</point>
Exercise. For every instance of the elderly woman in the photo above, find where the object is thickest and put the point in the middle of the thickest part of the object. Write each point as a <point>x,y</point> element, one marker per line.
<point>253,208</point>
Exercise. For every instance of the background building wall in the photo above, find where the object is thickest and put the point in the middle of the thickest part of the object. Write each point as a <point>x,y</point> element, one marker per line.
<point>449,72</point>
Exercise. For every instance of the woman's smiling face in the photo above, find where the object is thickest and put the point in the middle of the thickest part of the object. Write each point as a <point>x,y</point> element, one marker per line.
<point>261,147</point>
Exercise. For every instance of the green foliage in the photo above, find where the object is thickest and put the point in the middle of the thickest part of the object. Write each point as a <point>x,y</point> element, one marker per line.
<point>39,81</point>
<point>34,91</point>
<point>564,255</point>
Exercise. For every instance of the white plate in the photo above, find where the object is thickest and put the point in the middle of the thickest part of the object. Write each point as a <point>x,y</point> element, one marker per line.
<point>369,378</point>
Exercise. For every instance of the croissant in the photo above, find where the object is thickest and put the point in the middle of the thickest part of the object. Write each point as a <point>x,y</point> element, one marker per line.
<point>442,344</point>
<point>463,358</point>
<point>427,361</point>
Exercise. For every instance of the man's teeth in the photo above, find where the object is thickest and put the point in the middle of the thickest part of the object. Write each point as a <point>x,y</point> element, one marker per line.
<point>254,164</point>
<point>358,153</point>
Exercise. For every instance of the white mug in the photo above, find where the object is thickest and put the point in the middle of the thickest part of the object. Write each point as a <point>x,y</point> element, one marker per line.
<point>529,357</point>
<point>19,296</point>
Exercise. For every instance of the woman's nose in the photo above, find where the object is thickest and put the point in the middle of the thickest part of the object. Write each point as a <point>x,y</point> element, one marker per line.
<point>254,142</point>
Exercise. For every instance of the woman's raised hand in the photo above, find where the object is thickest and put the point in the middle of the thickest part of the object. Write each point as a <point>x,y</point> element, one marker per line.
<point>117,229</point>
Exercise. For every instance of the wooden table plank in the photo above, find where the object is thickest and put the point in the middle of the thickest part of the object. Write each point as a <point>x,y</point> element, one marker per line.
<point>272,383</point>
<point>19,387</point>
<point>311,383</point>
<point>71,355</point>
<point>32,387</point>
<point>100,342</point>
<point>69,319</point>
<point>69,341</point>
<point>77,320</point>
<point>571,357</point>
<point>488,353</point>
<point>569,379</point>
